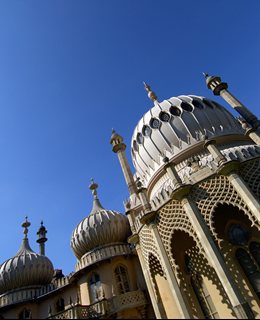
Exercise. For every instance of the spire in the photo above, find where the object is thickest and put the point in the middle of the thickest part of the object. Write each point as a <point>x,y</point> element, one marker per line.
<point>26,224</point>
<point>25,247</point>
<point>205,74</point>
<point>151,95</point>
<point>96,203</point>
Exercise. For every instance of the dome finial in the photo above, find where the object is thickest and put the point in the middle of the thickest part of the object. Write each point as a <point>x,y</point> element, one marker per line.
<point>93,187</point>
<point>205,74</point>
<point>151,95</point>
<point>26,224</point>
<point>96,203</point>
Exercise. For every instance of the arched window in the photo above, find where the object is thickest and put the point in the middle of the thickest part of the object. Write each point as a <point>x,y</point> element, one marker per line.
<point>122,282</point>
<point>95,287</point>
<point>25,314</point>
<point>250,269</point>
<point>255,251</point>
<point>60,305</point>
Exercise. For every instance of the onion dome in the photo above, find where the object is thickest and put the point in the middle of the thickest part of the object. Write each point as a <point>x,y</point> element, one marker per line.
<point>26,268</point>
<point>100,228</point>
<point>173,126</point>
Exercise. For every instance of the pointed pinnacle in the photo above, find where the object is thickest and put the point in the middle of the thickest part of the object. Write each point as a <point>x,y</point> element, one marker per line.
<point>205,74</point>
<point>151,95</point>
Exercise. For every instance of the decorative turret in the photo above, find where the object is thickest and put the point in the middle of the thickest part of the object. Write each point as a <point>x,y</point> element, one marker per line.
<point>42,238</point>
<point>218,87</point>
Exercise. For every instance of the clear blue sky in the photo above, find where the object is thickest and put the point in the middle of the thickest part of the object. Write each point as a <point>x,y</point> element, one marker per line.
<point>70,71</point>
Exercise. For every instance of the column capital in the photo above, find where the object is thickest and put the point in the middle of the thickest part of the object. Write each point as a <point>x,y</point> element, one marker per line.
<point>133,239</point>
<point>119,147</point>
<point>208,142</point>
<point>228,167</point>
<point>148,217</point>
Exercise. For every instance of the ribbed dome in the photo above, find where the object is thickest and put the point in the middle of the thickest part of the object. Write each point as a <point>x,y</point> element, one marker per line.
<point>175,125</point>
<point>101,227</point>
<point>25,269</point>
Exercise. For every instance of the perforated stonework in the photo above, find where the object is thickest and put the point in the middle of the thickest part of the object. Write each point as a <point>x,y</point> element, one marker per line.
<point>170,218</point>
<point>214,191</point>
<point>147,244</point>
<point>251,174</point>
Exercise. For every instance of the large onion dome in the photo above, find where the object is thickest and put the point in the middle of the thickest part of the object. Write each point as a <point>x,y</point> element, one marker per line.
<point>100,228</point>
<point>26,268</point>
<point>173,126</point>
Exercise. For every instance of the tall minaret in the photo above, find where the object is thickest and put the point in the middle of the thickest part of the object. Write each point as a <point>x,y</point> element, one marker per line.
<point>218,87</point>
<point>119,148</point>
<point>42,238</point>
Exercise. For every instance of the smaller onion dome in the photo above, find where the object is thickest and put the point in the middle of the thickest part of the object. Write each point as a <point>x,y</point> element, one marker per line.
<point>26,268</point>
<point>101,227</point>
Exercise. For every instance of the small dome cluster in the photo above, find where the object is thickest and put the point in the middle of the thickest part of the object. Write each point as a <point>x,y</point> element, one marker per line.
<point>100,228</point>
<point>26,268</point>
<point>174,125</point>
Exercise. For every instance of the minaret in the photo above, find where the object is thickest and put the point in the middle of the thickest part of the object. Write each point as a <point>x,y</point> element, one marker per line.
<point>42,238</point>
<point>119,148</point>
<point>218,87</point>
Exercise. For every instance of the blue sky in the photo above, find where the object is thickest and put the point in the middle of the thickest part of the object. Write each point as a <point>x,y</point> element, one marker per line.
<point>70,71</point>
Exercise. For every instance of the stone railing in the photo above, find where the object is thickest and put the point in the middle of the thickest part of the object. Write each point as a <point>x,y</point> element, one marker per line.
<point>96,310</point>
<point>103,253</point>
<point>132,299</point>
<point>103,308</point>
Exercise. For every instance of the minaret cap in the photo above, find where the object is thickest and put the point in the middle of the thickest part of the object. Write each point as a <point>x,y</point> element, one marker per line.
<point>151,95</point>
<point>117,142</point>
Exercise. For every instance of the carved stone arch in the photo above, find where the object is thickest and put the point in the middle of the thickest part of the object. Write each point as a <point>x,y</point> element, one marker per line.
<point>218,190</point>
<point>172,218</point>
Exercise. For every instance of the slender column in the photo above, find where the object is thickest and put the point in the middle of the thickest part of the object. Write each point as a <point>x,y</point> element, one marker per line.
<point>239,305</point>
<point>237,182</point>
<point>172,281</point>
<point>119,148</point>
<point>148,283</point>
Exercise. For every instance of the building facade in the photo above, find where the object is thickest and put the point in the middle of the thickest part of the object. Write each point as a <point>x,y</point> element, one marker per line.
<point>188,245</point>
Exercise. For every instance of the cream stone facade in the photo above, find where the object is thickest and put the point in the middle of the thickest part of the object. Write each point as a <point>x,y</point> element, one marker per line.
<point>188,246</point>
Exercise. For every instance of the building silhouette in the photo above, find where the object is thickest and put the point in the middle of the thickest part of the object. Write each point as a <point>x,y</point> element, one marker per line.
<point>188,245</point>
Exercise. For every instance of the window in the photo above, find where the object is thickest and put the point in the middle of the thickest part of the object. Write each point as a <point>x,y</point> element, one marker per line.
<point>122,282</point>
<point>205,301</point>
<point>250,269</point>
<point>95,287</point>
<point>25,314</point>
<point>60,306</point>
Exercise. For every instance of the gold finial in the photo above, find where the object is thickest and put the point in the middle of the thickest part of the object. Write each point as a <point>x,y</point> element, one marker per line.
<point>151,95</point>
<point>93,187</point>
<point>26,225</point>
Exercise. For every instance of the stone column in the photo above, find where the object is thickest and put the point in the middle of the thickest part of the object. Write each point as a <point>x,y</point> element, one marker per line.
<point>237,182</point>
<point>148,282</point>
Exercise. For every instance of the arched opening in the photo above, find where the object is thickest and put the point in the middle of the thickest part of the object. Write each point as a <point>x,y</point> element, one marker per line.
<point>122,279</point>
<point>95,287</point>
<point>191,266</point>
